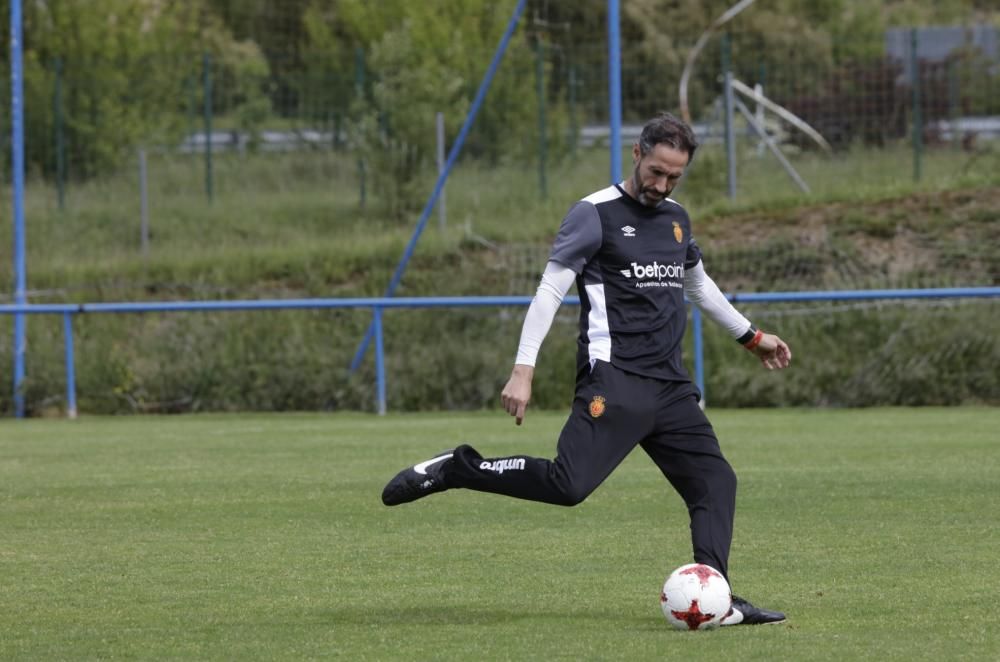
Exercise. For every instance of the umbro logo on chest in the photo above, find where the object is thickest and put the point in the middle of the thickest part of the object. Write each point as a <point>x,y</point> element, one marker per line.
<point>628,231</point>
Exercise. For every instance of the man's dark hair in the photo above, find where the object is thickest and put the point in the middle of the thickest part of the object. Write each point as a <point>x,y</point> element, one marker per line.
<point>669,130</point>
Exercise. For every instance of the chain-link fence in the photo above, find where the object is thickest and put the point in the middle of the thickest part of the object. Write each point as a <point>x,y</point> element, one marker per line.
<point>238,110</point>
<point>285,148</point>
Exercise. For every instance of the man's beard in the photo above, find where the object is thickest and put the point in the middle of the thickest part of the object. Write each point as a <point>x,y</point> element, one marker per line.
<point>646,196</point>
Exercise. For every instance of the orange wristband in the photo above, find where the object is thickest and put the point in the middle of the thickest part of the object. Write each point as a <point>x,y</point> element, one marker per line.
<point>753,342</point>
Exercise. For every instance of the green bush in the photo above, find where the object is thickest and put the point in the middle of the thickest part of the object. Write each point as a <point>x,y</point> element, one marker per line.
<point>844,356</point>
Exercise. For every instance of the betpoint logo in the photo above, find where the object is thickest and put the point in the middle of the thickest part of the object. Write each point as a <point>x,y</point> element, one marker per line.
<point>655,275</point>
<point>657,270</point>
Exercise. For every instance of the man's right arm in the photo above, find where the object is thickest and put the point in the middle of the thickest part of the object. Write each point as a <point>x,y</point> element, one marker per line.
<point>556,281</point>
<point>578,239</point>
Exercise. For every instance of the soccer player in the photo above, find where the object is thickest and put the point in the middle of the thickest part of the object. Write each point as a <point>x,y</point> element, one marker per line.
<point>630,250</point>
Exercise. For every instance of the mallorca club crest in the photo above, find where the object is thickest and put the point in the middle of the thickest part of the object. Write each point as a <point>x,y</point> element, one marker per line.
<point>597,406</point>
<point>678,233</point>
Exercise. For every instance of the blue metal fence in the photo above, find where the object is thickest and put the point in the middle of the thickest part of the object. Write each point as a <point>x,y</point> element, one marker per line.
<point>379,305</point>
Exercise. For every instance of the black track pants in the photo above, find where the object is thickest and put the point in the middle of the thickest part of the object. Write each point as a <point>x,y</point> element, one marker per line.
<point>614,411</point>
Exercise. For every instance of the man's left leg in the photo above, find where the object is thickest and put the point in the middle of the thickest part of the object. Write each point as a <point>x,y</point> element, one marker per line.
<point>687,452</point>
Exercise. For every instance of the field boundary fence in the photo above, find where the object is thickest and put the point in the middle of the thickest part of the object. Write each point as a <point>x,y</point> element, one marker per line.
<point>379,305</point>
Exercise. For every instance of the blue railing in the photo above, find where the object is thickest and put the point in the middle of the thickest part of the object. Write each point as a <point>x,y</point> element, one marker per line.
<point>379,305</point>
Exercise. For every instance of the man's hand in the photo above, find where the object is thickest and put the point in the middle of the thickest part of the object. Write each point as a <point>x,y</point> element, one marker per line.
<point>773,352</point>
<point>517,393</point>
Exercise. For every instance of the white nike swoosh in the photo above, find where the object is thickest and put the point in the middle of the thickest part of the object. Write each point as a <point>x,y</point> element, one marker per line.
<point>422,467</point>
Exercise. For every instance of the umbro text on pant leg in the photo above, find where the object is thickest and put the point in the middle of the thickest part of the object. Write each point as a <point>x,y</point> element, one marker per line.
<point>612,411</point>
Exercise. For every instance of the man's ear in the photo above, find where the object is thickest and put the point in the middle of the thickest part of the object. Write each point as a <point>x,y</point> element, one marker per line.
<point>635,152</point>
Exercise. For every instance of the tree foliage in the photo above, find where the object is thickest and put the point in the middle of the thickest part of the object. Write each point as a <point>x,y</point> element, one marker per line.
<point>130,71</point>
<point>419,59</point>
<point>103,76</point>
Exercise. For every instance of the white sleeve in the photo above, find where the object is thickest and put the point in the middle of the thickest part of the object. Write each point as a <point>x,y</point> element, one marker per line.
<point>704,293</point>
<point>556,281</point>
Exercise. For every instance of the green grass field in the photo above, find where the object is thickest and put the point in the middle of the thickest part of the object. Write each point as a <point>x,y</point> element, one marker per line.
<point>263,537</point>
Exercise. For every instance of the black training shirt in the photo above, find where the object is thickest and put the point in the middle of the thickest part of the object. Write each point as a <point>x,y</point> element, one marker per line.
<point>630,261</point>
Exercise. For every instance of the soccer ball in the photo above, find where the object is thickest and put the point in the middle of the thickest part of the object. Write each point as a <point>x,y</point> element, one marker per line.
<point>695,597</point>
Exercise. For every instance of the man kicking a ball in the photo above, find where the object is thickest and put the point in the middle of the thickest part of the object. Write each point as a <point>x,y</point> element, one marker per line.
<point>630,250</point>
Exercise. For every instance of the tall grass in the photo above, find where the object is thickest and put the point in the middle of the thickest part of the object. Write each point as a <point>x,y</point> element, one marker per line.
<point>293,210</point>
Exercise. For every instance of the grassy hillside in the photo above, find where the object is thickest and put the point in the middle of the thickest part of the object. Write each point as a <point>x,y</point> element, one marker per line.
<point>280,224</point>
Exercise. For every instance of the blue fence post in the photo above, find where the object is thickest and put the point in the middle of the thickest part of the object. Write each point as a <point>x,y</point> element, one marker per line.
<point>17,180</point>
<point>699,353</point>
<point>379,362</point>
<point>615,89</point>
<point>70,370</point>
